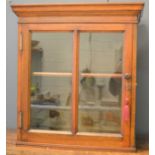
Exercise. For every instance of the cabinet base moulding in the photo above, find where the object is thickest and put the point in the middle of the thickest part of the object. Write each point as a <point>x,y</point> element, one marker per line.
<point>74,147</point>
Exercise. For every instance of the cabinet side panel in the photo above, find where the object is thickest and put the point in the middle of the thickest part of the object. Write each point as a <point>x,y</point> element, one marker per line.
<point>134,83</point>
<point>26,77</point>
<point>19,97</point>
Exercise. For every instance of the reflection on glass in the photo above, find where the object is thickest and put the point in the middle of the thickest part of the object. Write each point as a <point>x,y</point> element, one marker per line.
<point>100,105</point>
<point>48,103</point>
<point>51,69</point>
<point>101,52</point>
<point>100,96</point>
<point>46,119</point>
<point>52,51</point>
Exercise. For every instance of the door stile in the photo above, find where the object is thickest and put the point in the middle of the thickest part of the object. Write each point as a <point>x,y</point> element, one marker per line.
<point>134,84</point>
<point>75,81</point>
<point>126,80</point>
<point>26,77</point>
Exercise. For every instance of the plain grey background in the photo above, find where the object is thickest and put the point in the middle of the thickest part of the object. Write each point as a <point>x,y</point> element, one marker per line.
<point>142,115</point>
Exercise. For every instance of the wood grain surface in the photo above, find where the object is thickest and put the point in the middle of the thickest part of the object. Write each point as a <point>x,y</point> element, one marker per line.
<point>12,149</point>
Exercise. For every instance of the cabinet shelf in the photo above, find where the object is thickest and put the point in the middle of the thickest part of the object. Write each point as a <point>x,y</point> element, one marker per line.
<point>52,74</point>
<point>100,108</point>
<point>67,74</point>
<point>100,75</point>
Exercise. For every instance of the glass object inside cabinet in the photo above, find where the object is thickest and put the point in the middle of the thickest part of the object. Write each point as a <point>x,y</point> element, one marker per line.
<point>51,80</point>
<point>100,82</point>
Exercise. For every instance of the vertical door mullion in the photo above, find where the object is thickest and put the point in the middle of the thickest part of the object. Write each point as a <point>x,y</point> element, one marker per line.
<point>75,81</point>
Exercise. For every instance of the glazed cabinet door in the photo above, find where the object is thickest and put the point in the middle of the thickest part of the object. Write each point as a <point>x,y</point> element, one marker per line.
<point>100,83</point>
<point>76,84</point>
<point>51,80</point>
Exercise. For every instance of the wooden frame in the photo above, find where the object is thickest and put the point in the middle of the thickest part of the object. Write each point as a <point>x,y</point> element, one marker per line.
<point>76,18</point>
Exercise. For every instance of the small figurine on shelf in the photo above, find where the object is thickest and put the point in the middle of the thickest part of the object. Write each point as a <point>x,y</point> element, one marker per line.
<point>110,117</point>
<point>55,120</point>
<point>88,93</point>
<point>87,121</point>
<point>52,100</point>
<point>115,83</point>
<point>69,98</point>
<point>54,113</point>
<point>34,89</point>
<point>46,99</point>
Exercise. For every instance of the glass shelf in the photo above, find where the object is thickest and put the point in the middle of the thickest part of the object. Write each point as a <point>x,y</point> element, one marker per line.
<point>51,107</point>
<point>111,108</point>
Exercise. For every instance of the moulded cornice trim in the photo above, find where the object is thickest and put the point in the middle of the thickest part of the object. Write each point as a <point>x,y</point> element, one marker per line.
<point>85,9</point>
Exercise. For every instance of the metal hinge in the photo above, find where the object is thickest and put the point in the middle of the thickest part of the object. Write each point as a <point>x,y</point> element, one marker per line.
<point>21,42</point>
<point>21,119</point>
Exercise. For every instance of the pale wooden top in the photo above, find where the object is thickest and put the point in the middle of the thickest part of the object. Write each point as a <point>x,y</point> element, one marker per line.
<point>78,9</point>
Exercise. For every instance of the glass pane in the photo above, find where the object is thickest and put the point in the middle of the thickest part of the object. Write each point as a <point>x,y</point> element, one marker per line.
<point>50,103</point>
<point>101,55</point>
<point>51,81</point>
<point>101,52</point>
<point>100,105</point>
<point>51,52</point>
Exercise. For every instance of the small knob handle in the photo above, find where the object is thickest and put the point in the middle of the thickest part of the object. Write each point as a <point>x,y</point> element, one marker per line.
<point>127,76</point>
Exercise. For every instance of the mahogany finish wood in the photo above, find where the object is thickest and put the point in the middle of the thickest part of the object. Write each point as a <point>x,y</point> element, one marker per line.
<point>12,149</point>
<point>97,9</point>
<point>51,74</point>
<point>76,18</point>
<point>101,75</point>
<point>75,80</point>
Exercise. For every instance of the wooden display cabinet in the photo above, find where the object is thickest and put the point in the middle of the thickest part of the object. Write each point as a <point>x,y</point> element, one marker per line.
<point>77,75</point>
